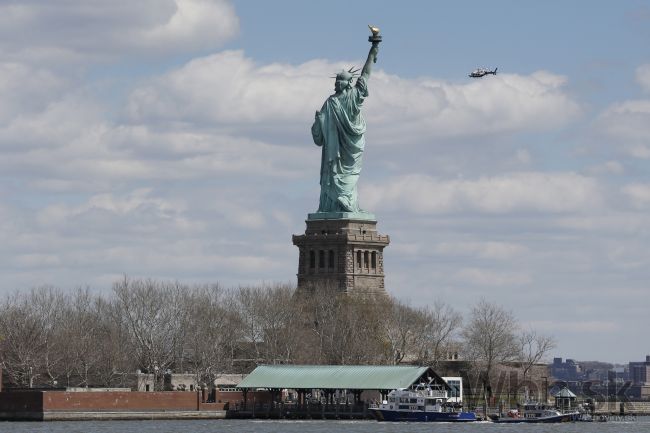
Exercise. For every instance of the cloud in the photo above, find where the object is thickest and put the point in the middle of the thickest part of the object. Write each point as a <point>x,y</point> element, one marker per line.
<point>70,144</point>
<point>608,167</point>
<point>585,327</point>
<point>643,76</point>
<point>136,212</point>
<point>26,90</point>
<point>196,153</point>
<point>426,108</point>
<point>486,250</point>
<point>522,156</point>
<point>613,223</point>
<point>193,24</point>
<point>144,232</point>
<point>81,31</point>
<point>230,89</point>
<point>627,125</point>
<point>488,277</point>
<point>516,192</point>
<point>638,194</point>
<point>70,119</point>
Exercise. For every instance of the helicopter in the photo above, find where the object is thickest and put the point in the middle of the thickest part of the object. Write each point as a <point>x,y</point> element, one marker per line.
<point>482,72</point>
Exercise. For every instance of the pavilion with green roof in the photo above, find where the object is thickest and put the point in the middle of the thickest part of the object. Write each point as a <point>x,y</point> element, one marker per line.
<point>564,399</point>
<point>329,378</point>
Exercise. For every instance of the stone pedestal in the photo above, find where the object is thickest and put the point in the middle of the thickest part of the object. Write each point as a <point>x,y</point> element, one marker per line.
<point>344,253</point>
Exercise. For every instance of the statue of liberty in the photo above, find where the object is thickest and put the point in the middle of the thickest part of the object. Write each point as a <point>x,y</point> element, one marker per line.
<point>339,128</point>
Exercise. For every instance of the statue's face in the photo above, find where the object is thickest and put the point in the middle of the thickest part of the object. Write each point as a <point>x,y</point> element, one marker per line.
<point>341,85</point>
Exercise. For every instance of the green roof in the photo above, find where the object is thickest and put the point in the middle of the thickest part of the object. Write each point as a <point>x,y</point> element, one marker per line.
<point>565,393</point>
<point>335,376</point>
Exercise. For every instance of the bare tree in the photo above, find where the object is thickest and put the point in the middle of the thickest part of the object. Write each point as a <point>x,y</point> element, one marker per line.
<point>82,339</point>
<point>153,314</point>
<point>280,321</point>
<point>401,330</point>
<point>334,321</point>
<point>29,325</point>
<point>114,349</point>
<point>439,325</point>
<point>489,338</point>
<point>249,305</point>
<point>212,329</point>
<point>78,337</point>
<point>321,308</point>
<point>20,343</point>
<point>419,335</point>
<point>532,349</point>
<point>363,321</point>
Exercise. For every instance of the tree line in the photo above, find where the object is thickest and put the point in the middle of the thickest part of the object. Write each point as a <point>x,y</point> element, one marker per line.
<point>55,338</point>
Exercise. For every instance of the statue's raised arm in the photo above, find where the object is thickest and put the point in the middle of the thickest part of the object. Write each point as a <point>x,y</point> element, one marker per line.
<point>375,38</point>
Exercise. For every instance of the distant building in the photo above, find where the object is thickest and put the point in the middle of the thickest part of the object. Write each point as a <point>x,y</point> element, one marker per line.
<point>568,370</point>
<point>180,382</point>
<point>640,372</point>
<point>227,382</point>
<point>620,374</point>
<point>144,382</point>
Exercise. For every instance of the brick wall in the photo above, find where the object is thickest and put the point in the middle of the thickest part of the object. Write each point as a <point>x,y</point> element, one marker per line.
<point>117,401</point>
<point>211,406</point>
<point>28,401</point>
<point>49,401</point>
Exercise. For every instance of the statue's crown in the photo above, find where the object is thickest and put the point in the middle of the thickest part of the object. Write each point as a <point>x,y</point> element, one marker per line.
<point>347,75</point>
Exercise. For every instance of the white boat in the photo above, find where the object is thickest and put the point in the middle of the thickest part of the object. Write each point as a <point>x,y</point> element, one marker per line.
<point>536,413</point>
<point>422,403</point>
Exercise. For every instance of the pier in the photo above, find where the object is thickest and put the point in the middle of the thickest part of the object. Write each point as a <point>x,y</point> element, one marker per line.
<point>302,411</point>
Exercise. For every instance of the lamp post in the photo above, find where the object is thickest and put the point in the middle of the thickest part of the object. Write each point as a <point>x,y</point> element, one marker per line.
<point>155,377</point>
<point>1,367</point>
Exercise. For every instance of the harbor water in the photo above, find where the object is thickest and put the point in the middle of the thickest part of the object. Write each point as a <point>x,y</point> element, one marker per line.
<point>638,425</point>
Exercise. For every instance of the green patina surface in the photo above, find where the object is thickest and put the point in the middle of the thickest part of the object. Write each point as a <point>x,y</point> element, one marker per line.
<point>360,215</point>
<point>565,393</point>
<point>333,376</point>
<point>339,129</point>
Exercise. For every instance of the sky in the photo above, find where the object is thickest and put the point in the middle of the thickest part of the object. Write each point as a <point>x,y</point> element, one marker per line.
<point>170,139</point>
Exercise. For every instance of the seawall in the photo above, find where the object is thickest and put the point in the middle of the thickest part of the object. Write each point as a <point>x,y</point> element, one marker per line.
<point>60,405</point>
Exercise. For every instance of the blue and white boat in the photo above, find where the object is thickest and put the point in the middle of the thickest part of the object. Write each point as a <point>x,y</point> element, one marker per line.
<point>536,413</point>
<point>422,403</point>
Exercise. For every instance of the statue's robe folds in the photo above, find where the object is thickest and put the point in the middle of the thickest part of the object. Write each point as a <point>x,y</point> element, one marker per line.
<point>339,128</point>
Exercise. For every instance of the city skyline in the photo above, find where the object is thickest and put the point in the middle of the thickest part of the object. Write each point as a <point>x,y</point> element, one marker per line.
<point>171,140</point>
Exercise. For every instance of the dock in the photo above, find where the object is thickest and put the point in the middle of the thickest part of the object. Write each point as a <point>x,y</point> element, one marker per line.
<point>302,411</point>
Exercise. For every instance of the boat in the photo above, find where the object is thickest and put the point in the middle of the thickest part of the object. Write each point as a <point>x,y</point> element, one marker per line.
<point>421,403</point>
<point>536,413</point>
